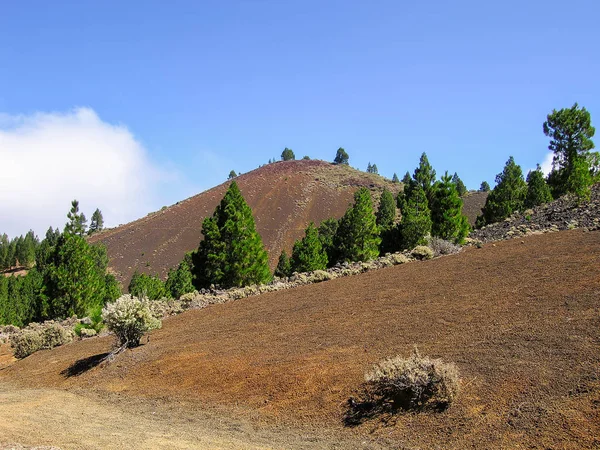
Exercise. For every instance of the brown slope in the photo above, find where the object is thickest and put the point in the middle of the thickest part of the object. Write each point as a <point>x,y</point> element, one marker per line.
<point>519,318</point>
<point>284,196</point>
<point>473,203</point>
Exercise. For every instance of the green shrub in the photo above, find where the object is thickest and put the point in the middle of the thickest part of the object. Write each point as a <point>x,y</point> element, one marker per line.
<point>26,343</point>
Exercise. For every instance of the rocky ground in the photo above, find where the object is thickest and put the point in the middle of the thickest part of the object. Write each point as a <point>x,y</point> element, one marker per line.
<point>562,214</point>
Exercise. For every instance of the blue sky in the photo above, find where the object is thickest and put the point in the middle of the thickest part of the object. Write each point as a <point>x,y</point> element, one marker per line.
<point>195,89</point>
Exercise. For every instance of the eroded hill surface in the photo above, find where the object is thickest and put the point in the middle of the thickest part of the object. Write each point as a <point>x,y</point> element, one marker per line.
<point>284,197</point>
<point>520,318</point>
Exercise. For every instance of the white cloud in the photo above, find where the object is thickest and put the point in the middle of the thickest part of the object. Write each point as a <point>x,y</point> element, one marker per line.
<point>49,159</point>
<point>547,163</point>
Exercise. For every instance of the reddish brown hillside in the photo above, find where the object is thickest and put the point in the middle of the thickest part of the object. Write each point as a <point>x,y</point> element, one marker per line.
<point>473,203</point>
<point>519,318</point>
<point>284,196</point>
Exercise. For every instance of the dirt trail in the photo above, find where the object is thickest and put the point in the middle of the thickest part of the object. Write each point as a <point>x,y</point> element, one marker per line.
<point>57,418</point>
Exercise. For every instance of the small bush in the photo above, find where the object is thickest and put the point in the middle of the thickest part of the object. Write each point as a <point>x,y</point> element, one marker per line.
<point>422,252</point>
<point>26,343</point>
<point>87,332</point>
<point>413,383</point>
<point>129,318</point>
<point>443,247</point>
<point>54,336</point>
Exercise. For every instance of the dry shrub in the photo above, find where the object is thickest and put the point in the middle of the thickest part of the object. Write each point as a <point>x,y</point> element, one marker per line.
<point>129,318</point>
<point>26,343</point>
<point>422,252</point>
<point>54,336</point>
<point>413,383</point>
<point>443,247</point>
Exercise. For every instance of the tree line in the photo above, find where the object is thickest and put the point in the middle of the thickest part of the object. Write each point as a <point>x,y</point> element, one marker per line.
<point>575,168</point>
<point>67,276</point>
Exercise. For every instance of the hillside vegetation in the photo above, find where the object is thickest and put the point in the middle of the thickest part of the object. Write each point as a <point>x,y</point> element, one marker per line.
<point>517,318</point>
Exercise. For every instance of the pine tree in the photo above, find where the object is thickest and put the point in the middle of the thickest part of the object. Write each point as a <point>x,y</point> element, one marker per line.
<point>425,175</point>
<point>369,167</point>
<point>327,230</point>
<point>374,169</point>
<point>507,197</point>
<point>284,268</point>
<point>231,253</point>
<point>485,187</point>
<point>232,175</point>
<point>448,221</point>
<point>406,179</point>
<point>579,180</point>
<point>180,280</point>
<point>386,213</point>
<point>416,219</point>
<point>149,286</point>
<point>287,155</point>
<point>341,157</point>
<point>538,191</point>
<point>460,186</point>
<point>395,178</point>
<point>570,131</point>
<point>75,277</point>
<point>357,237</point>
<point>97,223</point>
<point>77,221</point>
<point>308,253</point>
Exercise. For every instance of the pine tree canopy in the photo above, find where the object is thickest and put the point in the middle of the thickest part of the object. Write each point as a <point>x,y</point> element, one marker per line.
<point>416,219</point>
<point>386,213</point>
<point>97,223</point>
<point>341,157</point>
<point>538,191</point>
<point>395,178</point>
<point>570,131</point>
<point>448,221</point>
<point>231,253</point>
<point>284,268</point>
<point>424,174</point>
<point>460,186</point>
<point>485,187</point>
<point>308,253</point>
<point>507,197</point>
<point>77,221</point>
<point>357,237</point>
<point>287,155</point>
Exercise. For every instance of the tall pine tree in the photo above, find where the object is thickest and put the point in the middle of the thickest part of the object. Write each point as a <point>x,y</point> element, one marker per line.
<point>416,219</point>
<point>308,253</point>
<point>448,221</point>
<point>507,197</point>
<point>97,223</point>
<point>357,237</point>
<point>538,191</point>
<point>231,253</point>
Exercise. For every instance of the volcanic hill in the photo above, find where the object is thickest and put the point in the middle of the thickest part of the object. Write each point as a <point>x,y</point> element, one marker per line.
<point>284,196</point>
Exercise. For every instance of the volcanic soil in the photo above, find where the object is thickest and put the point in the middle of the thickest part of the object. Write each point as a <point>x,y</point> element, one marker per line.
<point>520,318</point>
<point>284,196</point>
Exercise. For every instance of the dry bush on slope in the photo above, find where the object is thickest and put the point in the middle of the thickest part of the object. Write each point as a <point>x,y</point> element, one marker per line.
<point>416,383</point>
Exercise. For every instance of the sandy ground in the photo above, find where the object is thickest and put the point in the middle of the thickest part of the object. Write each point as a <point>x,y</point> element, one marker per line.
<point>56,418</point>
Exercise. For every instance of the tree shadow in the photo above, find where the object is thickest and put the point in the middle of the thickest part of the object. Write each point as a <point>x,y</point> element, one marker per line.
<point>83,365</point>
